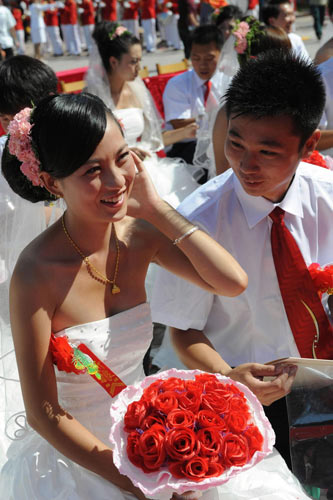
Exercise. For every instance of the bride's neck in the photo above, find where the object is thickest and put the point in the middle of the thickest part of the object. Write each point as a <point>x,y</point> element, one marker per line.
<point>116,86</point>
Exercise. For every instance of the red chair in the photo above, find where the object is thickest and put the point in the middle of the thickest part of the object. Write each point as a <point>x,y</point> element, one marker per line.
<point>156,86</point>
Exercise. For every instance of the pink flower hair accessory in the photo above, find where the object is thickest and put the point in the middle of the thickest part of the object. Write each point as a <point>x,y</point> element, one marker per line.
<point>245,32</point>
<point>240,34</point>
<point>20,146</point>
<point>118,31</point>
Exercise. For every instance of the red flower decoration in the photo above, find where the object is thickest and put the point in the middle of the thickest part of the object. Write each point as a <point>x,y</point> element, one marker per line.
<point>322,278</point>
<point>316,159</point>
<point>62,354</point>
<point>196,428</point>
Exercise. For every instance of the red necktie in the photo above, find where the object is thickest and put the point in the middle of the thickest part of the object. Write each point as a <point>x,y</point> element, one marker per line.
<point>301,301</point>
<point>208,85</point>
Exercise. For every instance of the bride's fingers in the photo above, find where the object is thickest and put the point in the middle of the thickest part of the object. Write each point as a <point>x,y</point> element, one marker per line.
<point>138,162</point>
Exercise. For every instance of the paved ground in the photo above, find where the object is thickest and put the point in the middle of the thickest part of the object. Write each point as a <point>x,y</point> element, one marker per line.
<point>165,56</point>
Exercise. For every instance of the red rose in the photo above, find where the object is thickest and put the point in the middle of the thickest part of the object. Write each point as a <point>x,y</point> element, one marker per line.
<point>217,386</point>
<point>210,442</point>
<point>180,418</point>
<point>173,384</point>
<point>205,377</point>
<point>237,421</point>
<point>234,450</point>
<point>194,469</point>
<point>190,400</point>
<point>215,469</point>
<point>151,392</point>
<point>181,444</point>
<point>151,448</point>
<point>239,404</point>
<point>216,402</point>
<point>166,401</point>
<point>135,414</point>
<point>254,438</point>
<point>233,388</point>
<point>155,417</point>
<point>132,449</point>
<point>207,418</point>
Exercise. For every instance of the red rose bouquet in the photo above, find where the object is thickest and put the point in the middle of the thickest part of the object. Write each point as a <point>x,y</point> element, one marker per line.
<point>187,430</point>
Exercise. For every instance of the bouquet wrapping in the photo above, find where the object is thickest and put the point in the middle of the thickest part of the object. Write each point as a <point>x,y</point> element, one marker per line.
<point>181,430</point>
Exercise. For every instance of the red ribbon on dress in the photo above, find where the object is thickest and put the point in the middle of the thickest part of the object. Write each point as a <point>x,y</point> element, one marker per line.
<point>81,359</point>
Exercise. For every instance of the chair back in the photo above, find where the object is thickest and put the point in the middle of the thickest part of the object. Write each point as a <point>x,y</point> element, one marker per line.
<point>172,68</point>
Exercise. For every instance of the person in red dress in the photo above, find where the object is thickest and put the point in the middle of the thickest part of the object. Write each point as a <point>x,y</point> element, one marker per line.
<point>109,11</point>
<point>130,17</point>
<point>19,28</point>
<point>53,31</point>
<point>87,15</point>
<point>69,26</point>
<point>148,18</point>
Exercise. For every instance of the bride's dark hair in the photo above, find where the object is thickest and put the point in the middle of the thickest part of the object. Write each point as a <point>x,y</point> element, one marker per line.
<point>66,130</point>
<point>110,45</point>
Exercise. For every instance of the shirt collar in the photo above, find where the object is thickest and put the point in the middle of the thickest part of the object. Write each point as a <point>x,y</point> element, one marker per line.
<point>256,208</point>
<point>199,82</point>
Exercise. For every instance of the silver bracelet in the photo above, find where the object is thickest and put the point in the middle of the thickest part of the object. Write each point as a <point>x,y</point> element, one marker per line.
<point>185,235</point>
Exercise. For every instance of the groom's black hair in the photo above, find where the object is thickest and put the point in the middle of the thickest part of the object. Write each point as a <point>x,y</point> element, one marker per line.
<point>206,34</point>
<point>278,83</point>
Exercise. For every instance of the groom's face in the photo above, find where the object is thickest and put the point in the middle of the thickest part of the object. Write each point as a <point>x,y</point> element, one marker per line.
<point>204,59</point>
<point>264,153</point>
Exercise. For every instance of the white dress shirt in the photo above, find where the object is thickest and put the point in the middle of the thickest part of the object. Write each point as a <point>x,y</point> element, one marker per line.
<point>326,123</point>
<point>183,96</point>
<point>252,327</point>
<point>298,46</point>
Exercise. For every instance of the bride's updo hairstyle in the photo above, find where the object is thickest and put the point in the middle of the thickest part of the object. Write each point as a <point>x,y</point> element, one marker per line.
<point>66,129</point>
<point>110,43</point>
<point>263,38</point>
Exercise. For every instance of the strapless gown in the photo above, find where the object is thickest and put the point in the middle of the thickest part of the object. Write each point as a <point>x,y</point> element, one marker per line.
<point>37,471</point>
<point>172,177</point>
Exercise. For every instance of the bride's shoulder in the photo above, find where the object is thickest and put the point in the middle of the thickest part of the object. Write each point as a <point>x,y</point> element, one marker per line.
<point>37,261</point>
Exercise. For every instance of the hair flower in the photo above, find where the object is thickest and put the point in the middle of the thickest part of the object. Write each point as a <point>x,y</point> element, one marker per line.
<point>245,33</point>
<point>20,145</point>
<point>240,33</point>
<point>118,31</point>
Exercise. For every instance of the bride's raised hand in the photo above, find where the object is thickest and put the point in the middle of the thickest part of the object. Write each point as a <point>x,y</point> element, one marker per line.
<point>144,197</point>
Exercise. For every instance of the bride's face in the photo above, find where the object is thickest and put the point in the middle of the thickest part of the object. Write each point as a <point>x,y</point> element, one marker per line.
<point>100,188</point>
<point>128,66</point>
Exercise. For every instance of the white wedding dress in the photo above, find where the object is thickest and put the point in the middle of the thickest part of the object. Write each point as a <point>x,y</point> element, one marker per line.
<point>37,471</point>
<point>172,178</point>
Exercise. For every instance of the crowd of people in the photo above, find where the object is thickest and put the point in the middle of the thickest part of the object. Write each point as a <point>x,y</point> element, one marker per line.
<point>114,220</point>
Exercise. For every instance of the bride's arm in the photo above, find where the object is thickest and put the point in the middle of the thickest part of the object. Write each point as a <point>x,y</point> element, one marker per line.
<point>197,257</point>
<point>31,310</point>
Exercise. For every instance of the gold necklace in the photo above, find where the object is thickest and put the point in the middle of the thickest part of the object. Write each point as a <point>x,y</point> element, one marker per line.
<point>98,276</point>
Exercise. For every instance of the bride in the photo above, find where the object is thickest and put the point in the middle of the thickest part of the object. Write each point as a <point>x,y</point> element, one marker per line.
<point>113,76</point>
<point>83,278</point>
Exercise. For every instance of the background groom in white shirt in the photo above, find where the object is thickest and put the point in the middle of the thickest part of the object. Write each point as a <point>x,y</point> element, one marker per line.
<point>274,105</point>
<point>187,96</point>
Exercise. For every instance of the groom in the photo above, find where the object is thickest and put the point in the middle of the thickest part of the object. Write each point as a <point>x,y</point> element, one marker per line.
<point>268,203</point>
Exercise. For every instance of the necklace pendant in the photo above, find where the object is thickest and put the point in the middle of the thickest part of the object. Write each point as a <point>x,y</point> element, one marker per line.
<point>115,289</point>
